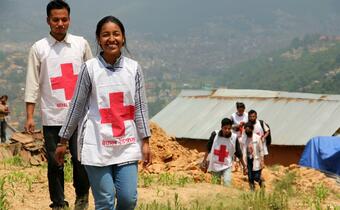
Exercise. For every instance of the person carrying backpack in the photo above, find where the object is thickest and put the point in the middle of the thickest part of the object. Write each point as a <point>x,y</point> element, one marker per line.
<point>262,129</point>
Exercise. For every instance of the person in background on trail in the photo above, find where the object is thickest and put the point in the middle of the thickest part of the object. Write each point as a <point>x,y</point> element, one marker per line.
<point>110,105</point>
<point>221,148</point>
<point>260,128</point>
<point>238,118</point>
<point>4,111</point>
<point>52,72</point>
<point>252,155</point>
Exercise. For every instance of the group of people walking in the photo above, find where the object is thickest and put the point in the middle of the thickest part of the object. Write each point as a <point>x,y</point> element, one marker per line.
<point>242,137</point>
<point>95,105</point>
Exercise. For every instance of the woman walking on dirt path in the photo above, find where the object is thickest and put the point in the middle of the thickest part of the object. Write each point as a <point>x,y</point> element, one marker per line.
<point>110,105</point>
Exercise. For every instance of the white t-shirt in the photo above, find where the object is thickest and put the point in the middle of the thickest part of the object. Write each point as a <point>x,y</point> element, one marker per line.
<point>237,120</point>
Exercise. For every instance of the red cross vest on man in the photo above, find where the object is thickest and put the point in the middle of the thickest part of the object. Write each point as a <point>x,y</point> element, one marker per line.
<point>222,151</point>
<point>109,130</point>
<point>60,66</point>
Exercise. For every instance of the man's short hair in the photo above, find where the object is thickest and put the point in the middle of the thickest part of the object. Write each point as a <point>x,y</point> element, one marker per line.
<point>226,121</point>
<point>4,96</point>
<point>57,4</point>
<point>240,105</point>
<point>249,125</point>
<point>252,112</point>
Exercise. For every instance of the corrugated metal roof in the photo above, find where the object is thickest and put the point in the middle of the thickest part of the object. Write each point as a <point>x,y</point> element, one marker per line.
<point>294,118</point>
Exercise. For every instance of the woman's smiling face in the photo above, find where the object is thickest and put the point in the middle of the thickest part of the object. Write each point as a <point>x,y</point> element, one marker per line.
<point>111,40</point>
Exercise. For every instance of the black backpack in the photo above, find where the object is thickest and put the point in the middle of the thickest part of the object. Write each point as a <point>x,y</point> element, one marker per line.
<point>269,137</point>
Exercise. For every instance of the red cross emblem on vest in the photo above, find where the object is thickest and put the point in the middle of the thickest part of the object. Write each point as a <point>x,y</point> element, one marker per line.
<point>66,81</point>
<point>222,153</point>
<point>117,113</point>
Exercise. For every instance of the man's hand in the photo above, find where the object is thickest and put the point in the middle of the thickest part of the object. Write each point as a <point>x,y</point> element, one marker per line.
<point>146,152</point>
<point>30,126</point>
<point>60,153</point>
<point>262,164</point>
<point>245,171</point>
<point>204,165</point>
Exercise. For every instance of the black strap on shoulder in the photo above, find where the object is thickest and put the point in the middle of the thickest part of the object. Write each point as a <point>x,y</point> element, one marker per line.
<point>261,122</point>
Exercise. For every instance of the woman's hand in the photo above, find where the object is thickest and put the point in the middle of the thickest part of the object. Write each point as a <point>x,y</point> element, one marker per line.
<point>60,152</point>
<point>146,152</point>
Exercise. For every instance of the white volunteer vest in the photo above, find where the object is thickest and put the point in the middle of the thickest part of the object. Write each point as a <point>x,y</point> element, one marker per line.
<point>222,151</point>
<point>60,65</point>
<point>259,131</point>
<point>109,134</point>
<point>256,141</point>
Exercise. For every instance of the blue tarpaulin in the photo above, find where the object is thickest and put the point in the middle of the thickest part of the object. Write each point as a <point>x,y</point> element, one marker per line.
<point>322,153</point>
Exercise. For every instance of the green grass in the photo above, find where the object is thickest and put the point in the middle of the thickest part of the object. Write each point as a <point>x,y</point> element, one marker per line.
<point>260,200</point>
<point>176,204</point>
<point>4,204</point>
<point>317,199</point>
<point>286,183</point>
<point>164,179</point>
<point>21,177</point>
<point>15,161</point>
<point>68,169</point>
<point>11,179</point>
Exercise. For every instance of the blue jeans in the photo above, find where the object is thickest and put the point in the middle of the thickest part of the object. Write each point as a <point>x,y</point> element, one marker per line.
<point>112,181</point>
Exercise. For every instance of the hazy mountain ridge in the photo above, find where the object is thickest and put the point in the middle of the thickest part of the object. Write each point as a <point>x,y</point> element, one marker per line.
<point>306,66</point>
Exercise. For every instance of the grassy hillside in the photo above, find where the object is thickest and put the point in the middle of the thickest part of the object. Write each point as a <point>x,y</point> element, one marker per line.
<point>308,65</point>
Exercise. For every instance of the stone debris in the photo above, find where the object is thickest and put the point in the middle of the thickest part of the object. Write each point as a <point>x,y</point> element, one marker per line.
<point>168,156</point>
<point>29,147</point>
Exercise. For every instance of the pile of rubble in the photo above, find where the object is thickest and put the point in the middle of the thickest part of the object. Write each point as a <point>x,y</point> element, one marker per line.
<point>29,147</point>
<point>169,156</point>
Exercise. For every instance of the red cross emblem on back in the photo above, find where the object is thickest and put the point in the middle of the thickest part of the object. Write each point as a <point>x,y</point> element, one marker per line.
<point>66,81</point>
<point>222,153</point>
<point>117,113</point>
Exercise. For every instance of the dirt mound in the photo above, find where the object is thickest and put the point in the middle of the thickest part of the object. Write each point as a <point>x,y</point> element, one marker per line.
<point>169,156</point>
<point>306,179</point>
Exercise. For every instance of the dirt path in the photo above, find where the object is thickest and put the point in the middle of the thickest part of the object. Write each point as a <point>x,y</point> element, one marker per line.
<point>37,198</point>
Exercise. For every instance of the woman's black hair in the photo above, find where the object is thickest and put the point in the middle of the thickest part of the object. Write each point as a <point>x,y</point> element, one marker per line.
<point>240,105</point>
<point>115,20</point>
<point>57,4</point>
